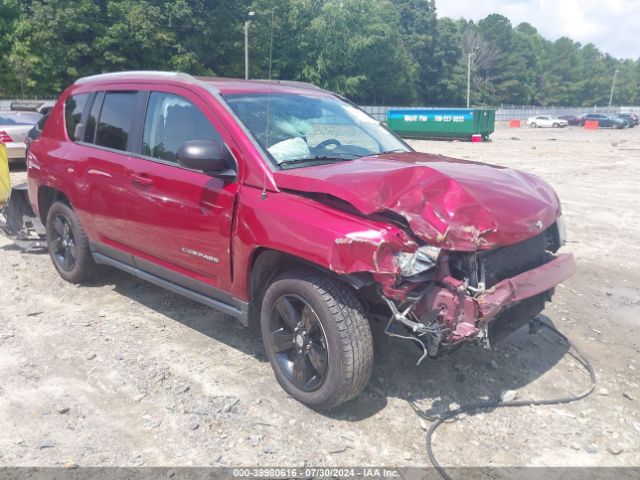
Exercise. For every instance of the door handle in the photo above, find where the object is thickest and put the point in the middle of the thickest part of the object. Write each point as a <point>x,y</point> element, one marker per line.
<point>141,179</point>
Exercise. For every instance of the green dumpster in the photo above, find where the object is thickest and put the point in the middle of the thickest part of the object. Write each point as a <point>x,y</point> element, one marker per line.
<point>451,123</point>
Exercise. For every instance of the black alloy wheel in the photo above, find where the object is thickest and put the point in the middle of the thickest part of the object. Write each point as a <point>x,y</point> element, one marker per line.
<point>299,342</point>
<point>68,244</point>
<point>316,337</point>
<point>63,244</point>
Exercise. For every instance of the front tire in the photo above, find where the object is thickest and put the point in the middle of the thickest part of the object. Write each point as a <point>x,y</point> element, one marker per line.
<point>68,244</point>
<point>316,338</point>
<point>534,125</point>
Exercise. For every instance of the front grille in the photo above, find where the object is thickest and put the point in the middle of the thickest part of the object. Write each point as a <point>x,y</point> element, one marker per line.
<point>506,262</point>
<point>493,266</point>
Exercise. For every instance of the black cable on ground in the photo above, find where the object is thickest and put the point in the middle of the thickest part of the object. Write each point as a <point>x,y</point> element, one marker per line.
<point>579,356</point>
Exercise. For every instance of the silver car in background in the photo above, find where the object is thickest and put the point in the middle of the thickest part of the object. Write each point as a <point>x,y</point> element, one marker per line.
<point>546,121</point>
<point>14,127</point>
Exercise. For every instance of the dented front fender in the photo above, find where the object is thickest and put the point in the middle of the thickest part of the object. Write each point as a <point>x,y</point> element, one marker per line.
<point>301,227</point>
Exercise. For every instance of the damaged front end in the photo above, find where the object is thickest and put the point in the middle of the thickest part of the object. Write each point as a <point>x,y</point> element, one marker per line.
<point>482,296</point>
<point>470,252</point>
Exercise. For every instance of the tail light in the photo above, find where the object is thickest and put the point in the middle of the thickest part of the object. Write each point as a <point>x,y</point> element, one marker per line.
<point>4,137</point>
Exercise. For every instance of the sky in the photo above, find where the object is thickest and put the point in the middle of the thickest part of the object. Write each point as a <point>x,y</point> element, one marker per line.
<point>612,25</point>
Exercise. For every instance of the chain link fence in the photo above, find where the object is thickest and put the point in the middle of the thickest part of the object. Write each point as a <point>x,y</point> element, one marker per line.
<point>512,112</point>
<point>503,113</point>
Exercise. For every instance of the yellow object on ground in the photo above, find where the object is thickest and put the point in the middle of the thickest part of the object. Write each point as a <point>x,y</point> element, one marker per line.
<point>5,186</point>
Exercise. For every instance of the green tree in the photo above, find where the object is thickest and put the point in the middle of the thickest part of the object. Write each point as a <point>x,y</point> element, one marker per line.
<point>352,47</point>
<point>419,29</point>
<point>65,33</point>
<point>9,15</point>
<point>386,51</point>
<point>22,61</point>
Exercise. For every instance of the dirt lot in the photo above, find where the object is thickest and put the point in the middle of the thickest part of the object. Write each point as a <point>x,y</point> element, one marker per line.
<point>120,372</point>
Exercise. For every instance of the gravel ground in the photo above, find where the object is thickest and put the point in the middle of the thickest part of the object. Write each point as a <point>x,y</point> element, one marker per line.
<point>122,373</point>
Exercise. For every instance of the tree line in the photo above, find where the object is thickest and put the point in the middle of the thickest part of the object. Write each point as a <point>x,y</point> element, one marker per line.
<point>382,52</point>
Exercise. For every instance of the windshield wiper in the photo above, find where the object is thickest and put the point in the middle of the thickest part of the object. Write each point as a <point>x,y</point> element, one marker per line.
<point>320,158</point>
<point>397,150</point>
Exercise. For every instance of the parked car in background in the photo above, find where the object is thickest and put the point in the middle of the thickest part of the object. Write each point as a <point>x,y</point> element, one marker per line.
<point>36,130</point>
<point>571,119</point>
<point>546,121</point>
<point>604,121</point>
<point>631,118</point>
<point>285,206</point>
<point>14,127</point>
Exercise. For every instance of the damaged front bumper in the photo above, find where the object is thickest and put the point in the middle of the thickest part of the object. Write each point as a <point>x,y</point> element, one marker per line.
<point>449,313</point>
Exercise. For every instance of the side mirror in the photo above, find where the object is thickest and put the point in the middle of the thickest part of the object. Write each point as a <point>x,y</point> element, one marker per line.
<point>204,155</point>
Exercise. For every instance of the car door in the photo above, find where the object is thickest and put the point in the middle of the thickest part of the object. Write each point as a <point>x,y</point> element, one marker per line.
<point>101,139</point>
<point>180,220</point>
<point>603,120</point>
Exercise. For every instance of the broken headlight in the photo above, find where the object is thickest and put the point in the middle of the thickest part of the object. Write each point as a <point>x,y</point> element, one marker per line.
<point>556,235</point>
<point>562,231</point>
<point>420,261</point>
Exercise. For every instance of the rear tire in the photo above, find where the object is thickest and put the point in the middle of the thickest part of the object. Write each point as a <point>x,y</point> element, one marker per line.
<point>68,244</point>
<point>316,338</point>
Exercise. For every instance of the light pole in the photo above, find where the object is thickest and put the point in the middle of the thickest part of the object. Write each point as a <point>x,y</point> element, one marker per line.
<point>613,86</point>
<point>246,45</point>
<point>469,58</point>
<point>469,79</point>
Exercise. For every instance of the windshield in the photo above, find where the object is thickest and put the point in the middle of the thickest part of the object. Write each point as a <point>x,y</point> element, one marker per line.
<point>297,130</point>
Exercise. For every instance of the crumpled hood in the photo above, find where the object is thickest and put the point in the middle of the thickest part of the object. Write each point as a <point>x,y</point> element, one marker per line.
<point>453,204</point>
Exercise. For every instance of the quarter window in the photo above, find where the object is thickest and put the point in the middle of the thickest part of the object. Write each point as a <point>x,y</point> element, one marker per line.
<point>73,109</point>
<point>114,126</point>
<point>92,119</point>
<point>172,120</point>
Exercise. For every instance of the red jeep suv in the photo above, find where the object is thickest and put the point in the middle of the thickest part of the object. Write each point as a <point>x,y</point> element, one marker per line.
<point>288,207</point>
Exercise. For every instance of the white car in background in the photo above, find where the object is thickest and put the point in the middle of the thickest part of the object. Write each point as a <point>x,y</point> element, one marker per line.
<point>14,127</point>
<point>546,121</point>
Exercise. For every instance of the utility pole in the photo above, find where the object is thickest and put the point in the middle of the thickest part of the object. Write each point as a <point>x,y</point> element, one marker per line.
<point>613,86</point>
<point>246,44</point>
<point>469,80</point>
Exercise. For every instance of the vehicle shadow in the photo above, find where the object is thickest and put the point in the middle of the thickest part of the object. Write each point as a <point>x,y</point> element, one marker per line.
<point>468,375</point>
<point>203,319</point>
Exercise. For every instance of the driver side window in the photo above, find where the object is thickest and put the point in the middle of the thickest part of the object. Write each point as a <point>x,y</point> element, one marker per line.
<point>172,120</point>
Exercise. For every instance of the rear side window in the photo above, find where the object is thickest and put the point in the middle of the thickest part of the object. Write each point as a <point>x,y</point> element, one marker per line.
<point>73,108</point>
<point>114,126</point>
<point>172,120</point>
